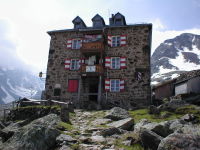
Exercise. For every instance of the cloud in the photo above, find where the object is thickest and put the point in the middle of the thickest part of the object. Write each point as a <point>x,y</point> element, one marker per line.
<point>8,47</point>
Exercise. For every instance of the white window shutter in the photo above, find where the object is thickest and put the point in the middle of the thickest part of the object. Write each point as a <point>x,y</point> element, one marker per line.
<point>121,85</point>
<point>67,64</point>
<point>122,62</point>
<point>110,40</point>
<point>107,85</point>
<point>69,44</point>
<point>107,62</point>
<point>123,40</point>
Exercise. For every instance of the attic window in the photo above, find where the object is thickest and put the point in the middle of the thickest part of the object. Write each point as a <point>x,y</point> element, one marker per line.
<point>78,25</point>
<point>118,22</point>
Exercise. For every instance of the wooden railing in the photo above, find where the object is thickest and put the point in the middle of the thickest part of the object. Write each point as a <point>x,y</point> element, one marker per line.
<point>92,47</point>
<point>91,69</point>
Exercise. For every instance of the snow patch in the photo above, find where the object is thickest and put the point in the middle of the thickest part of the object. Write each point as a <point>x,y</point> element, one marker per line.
<point>8,97</point>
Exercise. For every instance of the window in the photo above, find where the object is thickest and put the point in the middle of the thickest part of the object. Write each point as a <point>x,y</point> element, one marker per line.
<point>57,92</point>
<point>74,65</point>
<point>76,44</point>
<point>115,62</point>
<point>115,85</point>
<point>116,41</point>
<point>72,85</point>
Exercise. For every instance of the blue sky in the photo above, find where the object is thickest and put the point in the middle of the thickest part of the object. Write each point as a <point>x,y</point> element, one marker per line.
<point>23,23</point>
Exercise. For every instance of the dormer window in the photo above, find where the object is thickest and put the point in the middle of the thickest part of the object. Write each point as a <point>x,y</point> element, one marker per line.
<point>78,23</point>
<point>98,21</point>
<point>118,22</point>
<point>76,43</point>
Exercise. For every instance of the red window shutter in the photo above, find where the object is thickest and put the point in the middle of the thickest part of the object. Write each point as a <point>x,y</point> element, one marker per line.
<point>69,44</point>
<point>67,64</point>
<point>122,62</point>
<point>107,62</point>
<point>107,85</point>
<point>121,85</point>
<point>109,40</point>
<point>123,40</point>
<point>72,85</point>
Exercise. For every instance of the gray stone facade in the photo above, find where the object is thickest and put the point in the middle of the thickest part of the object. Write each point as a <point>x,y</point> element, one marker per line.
<point>137,52</point>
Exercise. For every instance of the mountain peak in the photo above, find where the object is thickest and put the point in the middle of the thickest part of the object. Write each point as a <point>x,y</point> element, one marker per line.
<point>181,53</point>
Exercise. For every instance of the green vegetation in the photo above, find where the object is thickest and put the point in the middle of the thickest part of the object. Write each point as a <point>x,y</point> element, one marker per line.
<point>40,107</point>
<point>65,126</point>
<point>143,113</point>
<point>132,147</point>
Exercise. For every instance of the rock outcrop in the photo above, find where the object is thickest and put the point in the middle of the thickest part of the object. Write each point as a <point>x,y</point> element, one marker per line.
<point>38,135</point>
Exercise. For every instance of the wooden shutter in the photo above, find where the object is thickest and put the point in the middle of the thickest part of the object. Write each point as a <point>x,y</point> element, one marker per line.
<point>122,62</point>
<point>67,64</point>
<point>69,44</point>
<point>72,85</point>
<point>107,85</point>
<point>123,40</point>
<point>110,40</point>
<point>107,62</point>
<point>121,85</point>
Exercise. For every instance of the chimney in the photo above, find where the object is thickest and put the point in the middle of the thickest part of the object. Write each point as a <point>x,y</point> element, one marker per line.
<point>111,20</point>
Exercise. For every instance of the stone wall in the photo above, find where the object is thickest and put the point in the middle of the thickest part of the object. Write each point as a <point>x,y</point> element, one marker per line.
<point>137,52</point>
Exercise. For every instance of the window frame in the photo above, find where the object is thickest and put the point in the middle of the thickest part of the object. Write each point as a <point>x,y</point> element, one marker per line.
<point>76,43</point>
<point>115,42</point>
<point>76,64</point>
<point>115,88</point>
<point>117,64</point>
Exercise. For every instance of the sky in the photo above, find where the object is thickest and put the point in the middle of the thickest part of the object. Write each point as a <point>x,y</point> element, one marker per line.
<point>24,42</point>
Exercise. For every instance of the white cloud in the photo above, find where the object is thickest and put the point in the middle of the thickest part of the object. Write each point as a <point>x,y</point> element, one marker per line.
<point>157,24</point>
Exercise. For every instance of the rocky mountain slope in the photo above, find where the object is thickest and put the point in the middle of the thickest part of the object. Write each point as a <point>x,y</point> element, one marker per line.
<point>175,56</point>
<point>15,83</point>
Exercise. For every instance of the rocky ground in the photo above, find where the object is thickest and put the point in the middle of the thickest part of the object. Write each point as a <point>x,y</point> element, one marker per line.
<point>172,126</point>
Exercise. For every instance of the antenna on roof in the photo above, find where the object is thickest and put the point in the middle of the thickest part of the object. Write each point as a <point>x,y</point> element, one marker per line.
<point>108,13</point>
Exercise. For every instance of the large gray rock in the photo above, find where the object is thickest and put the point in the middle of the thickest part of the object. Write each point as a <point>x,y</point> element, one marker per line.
<point>38,135</point>
<point>63,139</point>
<point>162,129</point>
<point>172,105</point>
<point>179,141</point>
<point>110,131</point>
<point>125,124</point>
<point>117,113</point>
<point>150,140</point>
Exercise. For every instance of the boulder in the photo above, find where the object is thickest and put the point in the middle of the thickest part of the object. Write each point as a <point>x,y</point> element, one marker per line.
<point>40,134</point>
<point>100,121</point>
<point>125,124</point>
<point>65,147</point>
<point>162,129</point>
<point>179,141</point>
<point>110,131</point>
<point>97,139</point>
<point>63,139</point>
<point>172,105</point>
<point>117,113</point>
<point>154,110</point>
<point>189,118</point>
<point>150,140</point>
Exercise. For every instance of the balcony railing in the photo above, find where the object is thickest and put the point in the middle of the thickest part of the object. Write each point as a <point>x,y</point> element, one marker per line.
<point>92,47</point>
<point>91,69</point>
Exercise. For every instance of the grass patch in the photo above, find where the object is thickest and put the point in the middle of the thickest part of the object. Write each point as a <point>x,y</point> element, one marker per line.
<point>143,114</point>
<point>65,126</point>
<point>132,147</point>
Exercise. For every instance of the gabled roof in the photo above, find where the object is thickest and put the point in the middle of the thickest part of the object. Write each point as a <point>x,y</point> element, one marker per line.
<point>97,17</point>
<point>78,20</point>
